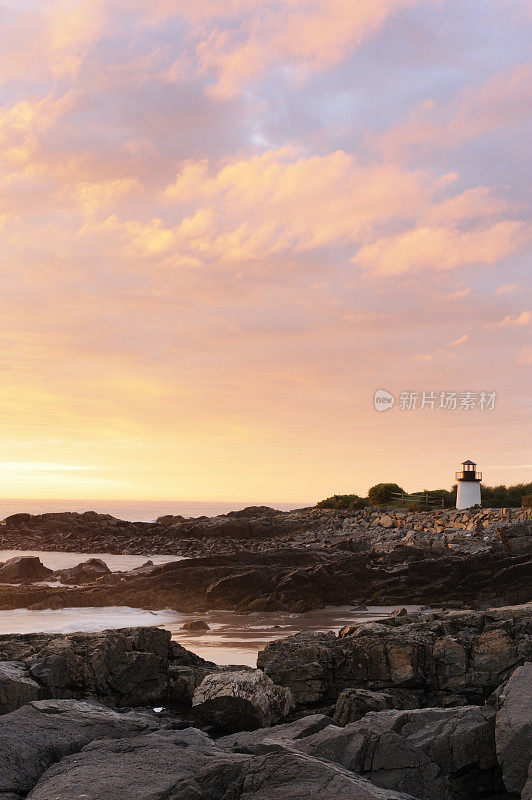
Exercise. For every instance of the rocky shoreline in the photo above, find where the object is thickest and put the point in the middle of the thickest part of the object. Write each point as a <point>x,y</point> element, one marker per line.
<point>262,560</point>
<point>415,706</point>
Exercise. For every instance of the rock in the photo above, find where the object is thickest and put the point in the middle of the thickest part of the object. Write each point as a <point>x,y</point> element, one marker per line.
<point>260,741</point>
<point>399,612</point>
<point>41,733</point>
<point>24,568</point>
<point>183,765</point>
<point>513,728</point>
<point>386,521</point>
<point>127,667</point>
<point>232,701</point>
<point>353,704</point>
<point>16,686</point>
<point>154,765</point>
<point>196,625</point>
<point>457,656</point>
<point>443,753</point>
<point>86,572</point>
<point>284,775</point>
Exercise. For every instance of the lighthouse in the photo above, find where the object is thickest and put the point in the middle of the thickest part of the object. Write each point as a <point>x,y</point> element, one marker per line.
<point>468,485</point>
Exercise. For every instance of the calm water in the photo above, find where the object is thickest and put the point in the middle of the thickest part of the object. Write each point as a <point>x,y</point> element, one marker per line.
<point>143,510</point>
<point>116,563</point>
<point>232,638</point>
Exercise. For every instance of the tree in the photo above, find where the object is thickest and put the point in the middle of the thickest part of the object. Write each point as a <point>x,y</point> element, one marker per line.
<point>383,493</point>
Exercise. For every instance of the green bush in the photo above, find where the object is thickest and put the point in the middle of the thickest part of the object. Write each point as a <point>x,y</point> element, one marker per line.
<point>383,493</point>
<point>505,496</point>
<point>344,502</point>
<point>527,501</point>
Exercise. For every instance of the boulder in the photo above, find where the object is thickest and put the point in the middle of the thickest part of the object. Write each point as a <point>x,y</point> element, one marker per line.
<point>432,752</point>
<point>196,625</point>
<point>183,765</point>
<point>24,568</point>
<point>281,775</point>
<point>447,658</point>
<point>86,572</point>
<point>17,687</point>
<point>155,765</point>
<point>262,740</point>
<point>513,728</point>
<point>42,732</point>
<point>231,701</point>
<point>353,704</point>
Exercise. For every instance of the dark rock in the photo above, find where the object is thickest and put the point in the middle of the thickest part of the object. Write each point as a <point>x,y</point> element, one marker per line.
<point>127,667</point>
<point>513,728</point>
<point>443,753</point>
<point>455,653</point>
<point>196,625</point>
<point>153,765</point>
<point>260,741</point>
<point>16,686</point>
<point>86,572</point>
<point>353,704</point>
<point>41,733</point>
<point>24,568</point>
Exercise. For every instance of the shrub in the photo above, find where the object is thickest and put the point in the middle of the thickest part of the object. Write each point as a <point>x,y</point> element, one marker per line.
<point>383,493</point>
<point>346,502</point>
<point>527,501</point>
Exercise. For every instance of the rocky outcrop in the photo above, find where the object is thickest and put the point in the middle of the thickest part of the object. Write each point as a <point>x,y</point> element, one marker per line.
<point>23,568</point>
<point>290,580</point>
<point>449,658</point>
<point>259,559</point>
<point>120,668</point>
<point>443,753</point>
<point>353,704</point>
<point>41,733</point>
<point>17,687</point>
<point>86,572</point>
<point>513,728</point>
<point>233,701</point>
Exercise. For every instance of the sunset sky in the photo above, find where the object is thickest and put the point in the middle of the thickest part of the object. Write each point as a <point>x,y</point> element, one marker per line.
<point>226,224</point>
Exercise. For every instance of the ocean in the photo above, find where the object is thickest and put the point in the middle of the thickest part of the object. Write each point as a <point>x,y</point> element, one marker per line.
<point>135,510</point>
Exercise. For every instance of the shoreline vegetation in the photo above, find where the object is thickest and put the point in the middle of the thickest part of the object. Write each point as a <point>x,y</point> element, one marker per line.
<point>517,496</point>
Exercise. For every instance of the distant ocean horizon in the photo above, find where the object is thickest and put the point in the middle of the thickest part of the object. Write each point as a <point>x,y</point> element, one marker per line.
<point>136,510</point>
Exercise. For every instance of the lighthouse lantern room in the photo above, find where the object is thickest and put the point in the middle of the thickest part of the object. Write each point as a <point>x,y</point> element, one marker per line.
<point>468,485</point>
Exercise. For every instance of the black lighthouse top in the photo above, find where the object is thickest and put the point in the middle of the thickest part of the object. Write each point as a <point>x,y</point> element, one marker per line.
<point>468,472</point>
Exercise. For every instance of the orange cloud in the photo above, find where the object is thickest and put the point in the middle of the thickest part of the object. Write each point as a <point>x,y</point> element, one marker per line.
<point>51,39</point>
<point>442,248</point>
<point>518,321</point>
<point>503,102</point>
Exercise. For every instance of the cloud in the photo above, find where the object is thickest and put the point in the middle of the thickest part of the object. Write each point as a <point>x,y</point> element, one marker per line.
<point>525,357</point>
<point>245,40</point>
<point>442,248</point>
<point>461,340</point>
<point>515,321</point>
<point>501,103</point>
<point>49,40</point>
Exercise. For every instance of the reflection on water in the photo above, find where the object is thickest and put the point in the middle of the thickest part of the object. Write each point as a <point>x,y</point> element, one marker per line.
<point>69,620</point>
<point>57,560</point>
<point>237,638</point>
<point>232,638</point>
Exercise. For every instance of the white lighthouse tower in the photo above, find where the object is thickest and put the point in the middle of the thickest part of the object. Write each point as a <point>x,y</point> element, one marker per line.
<point>468,485</point>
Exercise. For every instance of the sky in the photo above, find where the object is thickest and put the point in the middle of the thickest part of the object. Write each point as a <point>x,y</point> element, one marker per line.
<point>226,225</point>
